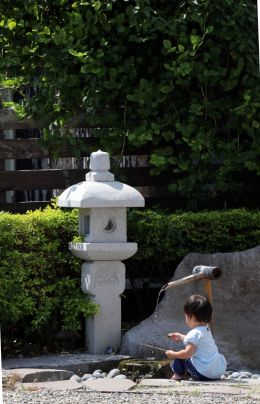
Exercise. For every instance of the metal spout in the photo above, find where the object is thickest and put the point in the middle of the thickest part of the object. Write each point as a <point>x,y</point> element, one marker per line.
<point>199,272</point>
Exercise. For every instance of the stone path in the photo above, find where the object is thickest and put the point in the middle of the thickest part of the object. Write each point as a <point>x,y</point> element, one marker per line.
<point>49,375</point>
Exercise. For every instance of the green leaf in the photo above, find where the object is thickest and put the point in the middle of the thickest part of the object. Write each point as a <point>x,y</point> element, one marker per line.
<point>11,24</point>
<point>209,29</point>
<point>166,89</point>
<point>80,55</point>
<point>157,160</point>
<point>167,44</point>
<point>195,40</point>
<point>89,68</point>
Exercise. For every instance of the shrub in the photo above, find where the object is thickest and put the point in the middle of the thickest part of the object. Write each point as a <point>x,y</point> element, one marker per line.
<point>164,237</point>
<point>40,282</point>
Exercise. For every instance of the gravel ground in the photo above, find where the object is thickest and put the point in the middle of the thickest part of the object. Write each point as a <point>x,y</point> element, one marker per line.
<point>83,396</point>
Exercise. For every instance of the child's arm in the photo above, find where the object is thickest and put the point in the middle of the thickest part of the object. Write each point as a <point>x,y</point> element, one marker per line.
<point>176,336</point>
<point>185,353</point>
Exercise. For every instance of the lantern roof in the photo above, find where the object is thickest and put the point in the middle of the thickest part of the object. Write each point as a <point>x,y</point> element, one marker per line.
<point>100,190</point>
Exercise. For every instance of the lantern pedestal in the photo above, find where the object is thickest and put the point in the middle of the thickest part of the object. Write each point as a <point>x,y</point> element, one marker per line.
<point>104,281</point>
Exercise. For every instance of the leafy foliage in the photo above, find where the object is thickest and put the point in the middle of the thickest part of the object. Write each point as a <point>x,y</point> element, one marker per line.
<point>166,237</point>
<point>182,76</point>
<point>39,278</point>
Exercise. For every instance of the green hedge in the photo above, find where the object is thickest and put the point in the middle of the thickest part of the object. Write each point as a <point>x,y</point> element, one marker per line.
<point>169,237</point>
<point>40,279</point>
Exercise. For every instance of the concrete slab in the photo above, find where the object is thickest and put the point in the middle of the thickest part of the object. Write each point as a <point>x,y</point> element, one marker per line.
<point>229,382</point>
<point>79,363</point>
<point>28,375</point>
<point>235,387</point>
<point>109,385</point>
<point>156,383</point>
<point>59,385</point>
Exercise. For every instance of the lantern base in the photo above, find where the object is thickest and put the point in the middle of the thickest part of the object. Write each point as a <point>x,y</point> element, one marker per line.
<point>105,282</point>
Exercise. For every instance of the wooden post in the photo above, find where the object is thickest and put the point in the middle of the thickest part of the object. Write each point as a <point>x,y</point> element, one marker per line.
<point>208,289</point>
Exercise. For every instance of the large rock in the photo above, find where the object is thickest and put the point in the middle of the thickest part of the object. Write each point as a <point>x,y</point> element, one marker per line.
<point>236,309</point>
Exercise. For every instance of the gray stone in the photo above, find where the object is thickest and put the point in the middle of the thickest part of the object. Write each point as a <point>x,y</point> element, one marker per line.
<point>118,377</point>
<point>28,375</point>
<point>86,376</point>
<point>97,373</point>
<point>113,373</point>
<point>236,306</point>
<point>235,375</point>
<point>99,376</point>
<point>244,375</point>
<point>76,378</point>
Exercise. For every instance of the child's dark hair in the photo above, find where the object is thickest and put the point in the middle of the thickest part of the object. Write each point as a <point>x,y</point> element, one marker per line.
<point>199,307</point>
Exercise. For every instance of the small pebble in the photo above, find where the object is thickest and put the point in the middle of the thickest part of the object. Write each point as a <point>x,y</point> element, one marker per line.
<point>98,376</point>
<point>235,375</point>
<point>244,375</point>
<point>113,373</point>
<point>97,373</point>
<point>76,378</point>
<point>120,377</point>
<point>86,376</point>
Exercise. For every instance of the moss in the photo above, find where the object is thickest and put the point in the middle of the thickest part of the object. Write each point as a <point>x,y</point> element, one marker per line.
<point>137,369</point>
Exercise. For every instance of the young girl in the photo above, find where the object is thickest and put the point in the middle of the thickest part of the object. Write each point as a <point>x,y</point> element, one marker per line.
<point>200,358</point>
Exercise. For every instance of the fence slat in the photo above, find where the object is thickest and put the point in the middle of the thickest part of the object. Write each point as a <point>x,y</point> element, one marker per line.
<point>31,148</point>
<point>61,179</point>
<point>39,179</point>
<point>22,207</point>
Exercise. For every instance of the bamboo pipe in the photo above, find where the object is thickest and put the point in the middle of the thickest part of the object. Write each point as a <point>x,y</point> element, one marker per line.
<point>199,272</point>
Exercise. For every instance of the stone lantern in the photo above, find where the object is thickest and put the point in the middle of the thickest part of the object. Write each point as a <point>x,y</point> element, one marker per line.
<point>102,204</point>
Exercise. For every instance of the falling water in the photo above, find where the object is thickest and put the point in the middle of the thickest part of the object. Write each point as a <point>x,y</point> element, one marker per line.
<point>163,288</point>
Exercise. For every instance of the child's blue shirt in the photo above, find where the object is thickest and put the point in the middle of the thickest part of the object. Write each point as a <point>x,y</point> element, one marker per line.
<point>206,358</point>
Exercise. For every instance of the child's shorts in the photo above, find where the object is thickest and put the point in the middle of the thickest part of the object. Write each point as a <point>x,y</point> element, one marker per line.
<point>184,366</point>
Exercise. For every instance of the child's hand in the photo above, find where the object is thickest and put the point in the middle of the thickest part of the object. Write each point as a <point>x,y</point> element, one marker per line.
<point>170,354</point>
<point>176,336</point>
